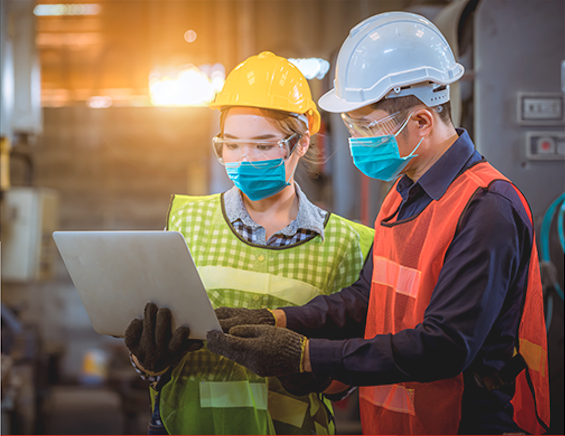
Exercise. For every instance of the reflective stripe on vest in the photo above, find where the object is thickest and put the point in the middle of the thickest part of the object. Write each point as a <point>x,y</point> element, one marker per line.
<point>294,291</point>
<point>233,394</point>
<point>402,279</point>
<point>407,264</point>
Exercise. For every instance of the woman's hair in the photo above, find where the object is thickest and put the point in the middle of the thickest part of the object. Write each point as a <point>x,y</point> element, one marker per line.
<point>286,123</point>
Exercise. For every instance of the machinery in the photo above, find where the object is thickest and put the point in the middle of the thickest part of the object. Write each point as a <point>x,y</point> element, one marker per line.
<point>27,214</point>
<point>518,113</point>
<point>26,211</point>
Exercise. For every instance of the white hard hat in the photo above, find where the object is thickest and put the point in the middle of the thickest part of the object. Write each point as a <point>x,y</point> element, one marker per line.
<point>392,55</point>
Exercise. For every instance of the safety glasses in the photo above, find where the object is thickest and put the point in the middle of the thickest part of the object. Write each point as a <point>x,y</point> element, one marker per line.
<point>235,150</point>
<point>388,125</point>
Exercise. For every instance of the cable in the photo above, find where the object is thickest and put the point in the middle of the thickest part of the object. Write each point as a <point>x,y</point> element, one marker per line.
<point>549,312</point>
<point>560,226</point>
<point>545,234</point>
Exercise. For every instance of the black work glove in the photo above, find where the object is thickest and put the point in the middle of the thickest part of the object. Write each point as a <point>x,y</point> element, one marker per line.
<point>266,350</point>
<point>233,316</point>
<point>152,342</point>
<point>303,383</point>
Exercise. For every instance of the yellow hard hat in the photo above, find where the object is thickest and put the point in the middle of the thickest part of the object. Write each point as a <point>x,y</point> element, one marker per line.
<point>270,82</point>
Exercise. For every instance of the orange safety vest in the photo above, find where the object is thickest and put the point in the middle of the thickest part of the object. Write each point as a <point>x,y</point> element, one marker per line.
<point>408,257</point>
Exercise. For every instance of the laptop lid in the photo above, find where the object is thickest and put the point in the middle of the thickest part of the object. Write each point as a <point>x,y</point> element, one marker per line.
<point>117,272</point>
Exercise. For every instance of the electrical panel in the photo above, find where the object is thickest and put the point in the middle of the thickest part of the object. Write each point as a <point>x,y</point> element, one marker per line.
<point>519,106</point>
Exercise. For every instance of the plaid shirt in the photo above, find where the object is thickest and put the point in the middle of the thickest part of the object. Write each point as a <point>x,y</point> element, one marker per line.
<point>309,221</point>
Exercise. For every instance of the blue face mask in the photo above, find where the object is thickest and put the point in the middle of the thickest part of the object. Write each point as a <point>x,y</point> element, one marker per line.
<point>378,157</point>
<point>259,180</point>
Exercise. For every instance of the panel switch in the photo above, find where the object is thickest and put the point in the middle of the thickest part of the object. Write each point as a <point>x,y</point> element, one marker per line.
<point>545,145</point>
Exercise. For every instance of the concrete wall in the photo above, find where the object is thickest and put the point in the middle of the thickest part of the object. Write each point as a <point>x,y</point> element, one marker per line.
<point>116,168</point>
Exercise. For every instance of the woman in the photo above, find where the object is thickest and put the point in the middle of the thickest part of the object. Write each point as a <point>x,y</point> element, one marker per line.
<point>262,244</point>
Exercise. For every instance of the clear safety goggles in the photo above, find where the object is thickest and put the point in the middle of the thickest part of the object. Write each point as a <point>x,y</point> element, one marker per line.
<point>255,150</point>
<point>388,125</point>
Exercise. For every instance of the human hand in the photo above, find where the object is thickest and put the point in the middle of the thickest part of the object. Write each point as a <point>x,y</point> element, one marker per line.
<point>152,342</point>
<point>266,350</point>
<point>233,316</point>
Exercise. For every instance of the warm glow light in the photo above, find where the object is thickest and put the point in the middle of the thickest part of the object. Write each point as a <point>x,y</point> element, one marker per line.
<point>312,67</point>
<point>100,102</point>
<point>190,36</point>
<point>190,87</point>
<point>66,9</point>
<point>74,41</point>
<point>218,76</point>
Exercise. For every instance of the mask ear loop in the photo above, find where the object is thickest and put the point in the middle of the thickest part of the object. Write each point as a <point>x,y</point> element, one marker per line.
<point>404,124</point>
<point>417,146</point>
<point>294,148</point>
<point>292,174</point>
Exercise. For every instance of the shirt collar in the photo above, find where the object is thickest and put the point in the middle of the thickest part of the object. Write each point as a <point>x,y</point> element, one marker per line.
<point>309,217</point>
<point>437,179</point>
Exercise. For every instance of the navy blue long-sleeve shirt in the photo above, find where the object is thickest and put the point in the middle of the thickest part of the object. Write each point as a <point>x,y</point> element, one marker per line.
<point>471,321</point>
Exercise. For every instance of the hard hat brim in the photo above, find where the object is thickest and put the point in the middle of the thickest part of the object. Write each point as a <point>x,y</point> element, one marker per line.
<point>330,102</point>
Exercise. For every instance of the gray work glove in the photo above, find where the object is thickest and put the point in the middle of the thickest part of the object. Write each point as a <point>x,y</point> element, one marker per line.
<point>233,316</point>
<point>151,340</point>
<point>303,383</point>
<point>266,350</point>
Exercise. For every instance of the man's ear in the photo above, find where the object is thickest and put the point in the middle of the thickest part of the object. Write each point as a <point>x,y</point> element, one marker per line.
<point>424,119</point>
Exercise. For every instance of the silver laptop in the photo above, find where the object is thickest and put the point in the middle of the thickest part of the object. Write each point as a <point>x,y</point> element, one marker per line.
<point>117,272</point>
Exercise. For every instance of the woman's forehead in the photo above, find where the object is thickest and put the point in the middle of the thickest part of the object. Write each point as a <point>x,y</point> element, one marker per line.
<point>250,120</point>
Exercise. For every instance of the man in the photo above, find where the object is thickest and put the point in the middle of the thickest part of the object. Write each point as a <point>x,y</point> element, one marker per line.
<point>444,330</point>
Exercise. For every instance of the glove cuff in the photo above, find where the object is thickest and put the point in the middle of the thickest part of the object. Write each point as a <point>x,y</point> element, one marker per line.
<point>138,365</point>
<point>270,318</point>
<point>294,353</point>
<point>302,352</point>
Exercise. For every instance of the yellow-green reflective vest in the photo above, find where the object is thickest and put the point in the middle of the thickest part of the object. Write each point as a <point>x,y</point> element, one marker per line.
<point>209,394</point>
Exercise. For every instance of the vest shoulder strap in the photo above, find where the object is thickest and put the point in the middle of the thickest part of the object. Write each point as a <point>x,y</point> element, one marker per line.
<point>366,234</point>
<point>483,174</point>
<point>180,200</point>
